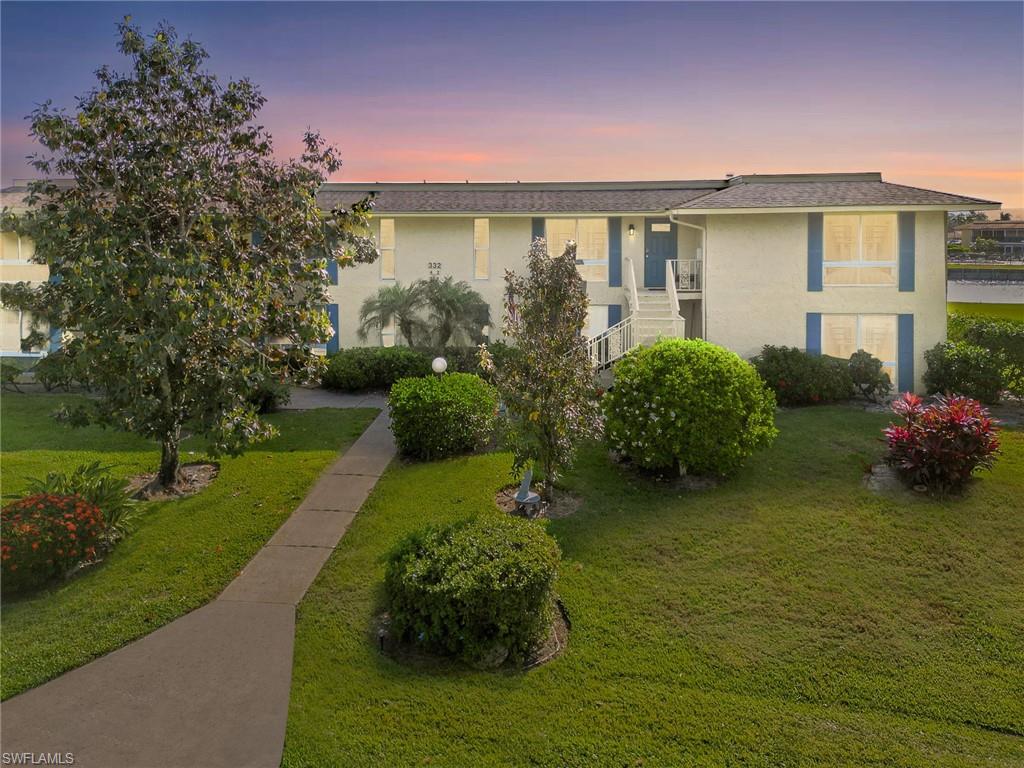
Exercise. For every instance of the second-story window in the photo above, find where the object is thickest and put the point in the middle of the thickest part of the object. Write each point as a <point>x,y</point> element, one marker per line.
<point>481,249</point>
<point>860,249</point>
<point>591,236</point>
<point>387,249</point>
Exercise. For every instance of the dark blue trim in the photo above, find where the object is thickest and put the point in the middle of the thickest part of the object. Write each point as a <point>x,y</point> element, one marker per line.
<point>54,339</point>
<point>907,249</point>
<point>815,250</point>
<point>614,314</point>
<point>905,353</point>
<point>332,271</point>
<point>615,252</point>
<point>814,333</point>
<point>334,344</point>
<point>257,237</point>
<point>538,228</point>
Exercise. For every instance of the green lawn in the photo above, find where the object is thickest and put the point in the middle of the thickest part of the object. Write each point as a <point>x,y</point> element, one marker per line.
<point>787,618</point>
<point>182,553</point>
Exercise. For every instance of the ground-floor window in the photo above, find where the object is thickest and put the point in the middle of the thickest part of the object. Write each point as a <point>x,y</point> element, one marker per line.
<point>597,319</point>
<point>842,335</point>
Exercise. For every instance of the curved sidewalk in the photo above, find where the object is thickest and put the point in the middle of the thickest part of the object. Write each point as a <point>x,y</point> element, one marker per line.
<point>210,689</point>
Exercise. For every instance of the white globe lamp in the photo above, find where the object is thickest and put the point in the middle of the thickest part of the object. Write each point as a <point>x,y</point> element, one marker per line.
<point>439,365</point>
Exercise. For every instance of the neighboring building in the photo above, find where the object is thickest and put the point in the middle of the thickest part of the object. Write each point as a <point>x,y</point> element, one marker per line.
<point>16,266</point>
<point>826,262</point>
<point>1009,234</point>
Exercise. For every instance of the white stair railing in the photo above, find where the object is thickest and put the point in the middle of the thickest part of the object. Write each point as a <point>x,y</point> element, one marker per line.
<point>611,344</point>
<point>633,294</point>
<point>687,274</point>
<point>673,299</point>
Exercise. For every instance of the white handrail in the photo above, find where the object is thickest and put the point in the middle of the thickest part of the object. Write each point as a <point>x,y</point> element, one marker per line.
<point>688,274</point>
<point>612,343</point>
<point>634,295</point>
<point>673,299</point>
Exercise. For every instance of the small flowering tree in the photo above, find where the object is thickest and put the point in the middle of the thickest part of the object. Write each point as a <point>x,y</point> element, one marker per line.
<point>547,378</point>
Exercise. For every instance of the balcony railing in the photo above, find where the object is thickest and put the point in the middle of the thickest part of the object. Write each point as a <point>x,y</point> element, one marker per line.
<point>688,274</point>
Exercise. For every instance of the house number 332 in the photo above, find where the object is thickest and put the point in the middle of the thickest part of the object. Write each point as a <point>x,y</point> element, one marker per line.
<point>434,267</point>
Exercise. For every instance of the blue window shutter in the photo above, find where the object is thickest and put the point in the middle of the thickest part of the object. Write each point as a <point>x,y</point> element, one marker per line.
<point>814,333</point>
<point>907,248</point>
<point>55,335</point>
<point>257,237</point>
<point>815,250</point>
<point>905,353</point>
<point>615,252</point>
<point>332,271</point>
<point>538,227</point>
<point>614,314</point>
<point>335,341</point>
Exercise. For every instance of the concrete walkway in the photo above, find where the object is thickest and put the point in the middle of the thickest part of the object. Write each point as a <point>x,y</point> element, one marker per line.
<point>304,399</point>
<point>210,689</point>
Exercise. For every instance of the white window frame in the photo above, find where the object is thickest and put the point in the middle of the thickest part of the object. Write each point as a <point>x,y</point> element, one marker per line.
<point>486,249</point>
<point>860,262</point>
<point>19,259</point>
<point>393,249</point>
<point>859,337</point>
<point>606,261</point>
<point>389,333</point>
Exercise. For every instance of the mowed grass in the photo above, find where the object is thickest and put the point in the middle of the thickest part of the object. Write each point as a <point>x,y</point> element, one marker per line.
<point>789,617</point>
<point>183,552</point>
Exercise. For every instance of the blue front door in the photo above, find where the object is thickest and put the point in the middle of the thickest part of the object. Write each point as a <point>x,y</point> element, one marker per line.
<point>659,246</point>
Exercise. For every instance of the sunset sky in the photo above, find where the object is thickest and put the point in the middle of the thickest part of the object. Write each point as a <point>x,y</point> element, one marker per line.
<point>930,94</point>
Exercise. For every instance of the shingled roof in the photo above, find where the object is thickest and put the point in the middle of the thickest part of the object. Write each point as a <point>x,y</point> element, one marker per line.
<point>514,197</point>
<point>852,190</point>
<point>640,197</point>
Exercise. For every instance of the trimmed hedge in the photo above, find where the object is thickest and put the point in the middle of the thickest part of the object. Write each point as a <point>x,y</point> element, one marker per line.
<point>799,378</point>
<point>1005,337</point>
<point>964,369</point>
<point>689,404</point>
<point>438,416</point>
<point>361,368</point>
<point>480,590</point>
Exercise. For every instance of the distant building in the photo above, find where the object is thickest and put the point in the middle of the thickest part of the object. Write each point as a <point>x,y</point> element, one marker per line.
<point>1009,234</point>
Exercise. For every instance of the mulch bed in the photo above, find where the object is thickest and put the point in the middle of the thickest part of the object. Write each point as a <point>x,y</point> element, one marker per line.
<point>195,477</point>
<point>409,653</point>
<point>562,505</point>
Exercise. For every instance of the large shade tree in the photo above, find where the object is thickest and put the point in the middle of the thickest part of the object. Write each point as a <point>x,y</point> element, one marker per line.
<point>546,377</point>
<point>182,254</point>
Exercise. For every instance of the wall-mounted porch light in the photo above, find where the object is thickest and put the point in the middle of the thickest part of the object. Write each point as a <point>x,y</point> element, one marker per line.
<point>632,231</point>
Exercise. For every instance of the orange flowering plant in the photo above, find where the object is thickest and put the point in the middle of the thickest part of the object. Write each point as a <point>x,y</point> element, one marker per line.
<point>44,536</point>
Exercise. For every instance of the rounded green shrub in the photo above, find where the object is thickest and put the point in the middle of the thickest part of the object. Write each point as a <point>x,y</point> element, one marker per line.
<point>956,367</point>
<point>688,404</point>
<point>439,416</point>
<point>868,376</point>
<point>362,368</point>
<point>799,378</point>
<point>480,590</point>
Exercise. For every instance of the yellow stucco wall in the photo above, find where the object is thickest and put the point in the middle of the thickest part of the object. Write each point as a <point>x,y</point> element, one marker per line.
<point>756,289</point>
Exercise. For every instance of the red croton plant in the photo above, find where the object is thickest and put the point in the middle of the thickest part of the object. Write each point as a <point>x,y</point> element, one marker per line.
<point>940,445</point>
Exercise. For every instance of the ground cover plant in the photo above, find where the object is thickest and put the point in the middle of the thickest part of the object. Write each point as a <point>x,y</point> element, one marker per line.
<point>180,553</point>
<point>788,617</point>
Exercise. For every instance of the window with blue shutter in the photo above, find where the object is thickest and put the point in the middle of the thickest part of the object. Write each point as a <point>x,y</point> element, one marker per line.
<point>614,314</point>
<point>905,353</point>
<point>813,333</point>
<point>332,271</point>
<point>538,228</point>
<point>907,246</point>
<point>334,344</point>
<point>615,252</point>
<point>815,250</point>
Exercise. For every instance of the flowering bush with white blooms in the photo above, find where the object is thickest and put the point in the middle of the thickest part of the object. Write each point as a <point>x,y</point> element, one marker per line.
<point>688,405</point>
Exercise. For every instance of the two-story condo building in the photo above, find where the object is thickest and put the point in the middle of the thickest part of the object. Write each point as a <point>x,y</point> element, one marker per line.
<point>830,263</point>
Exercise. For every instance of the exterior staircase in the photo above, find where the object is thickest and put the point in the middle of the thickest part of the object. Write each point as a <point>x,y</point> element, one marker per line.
<point>652,315</point>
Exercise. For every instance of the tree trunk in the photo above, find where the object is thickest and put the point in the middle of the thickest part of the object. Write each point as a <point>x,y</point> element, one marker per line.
<point>170,464</point>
